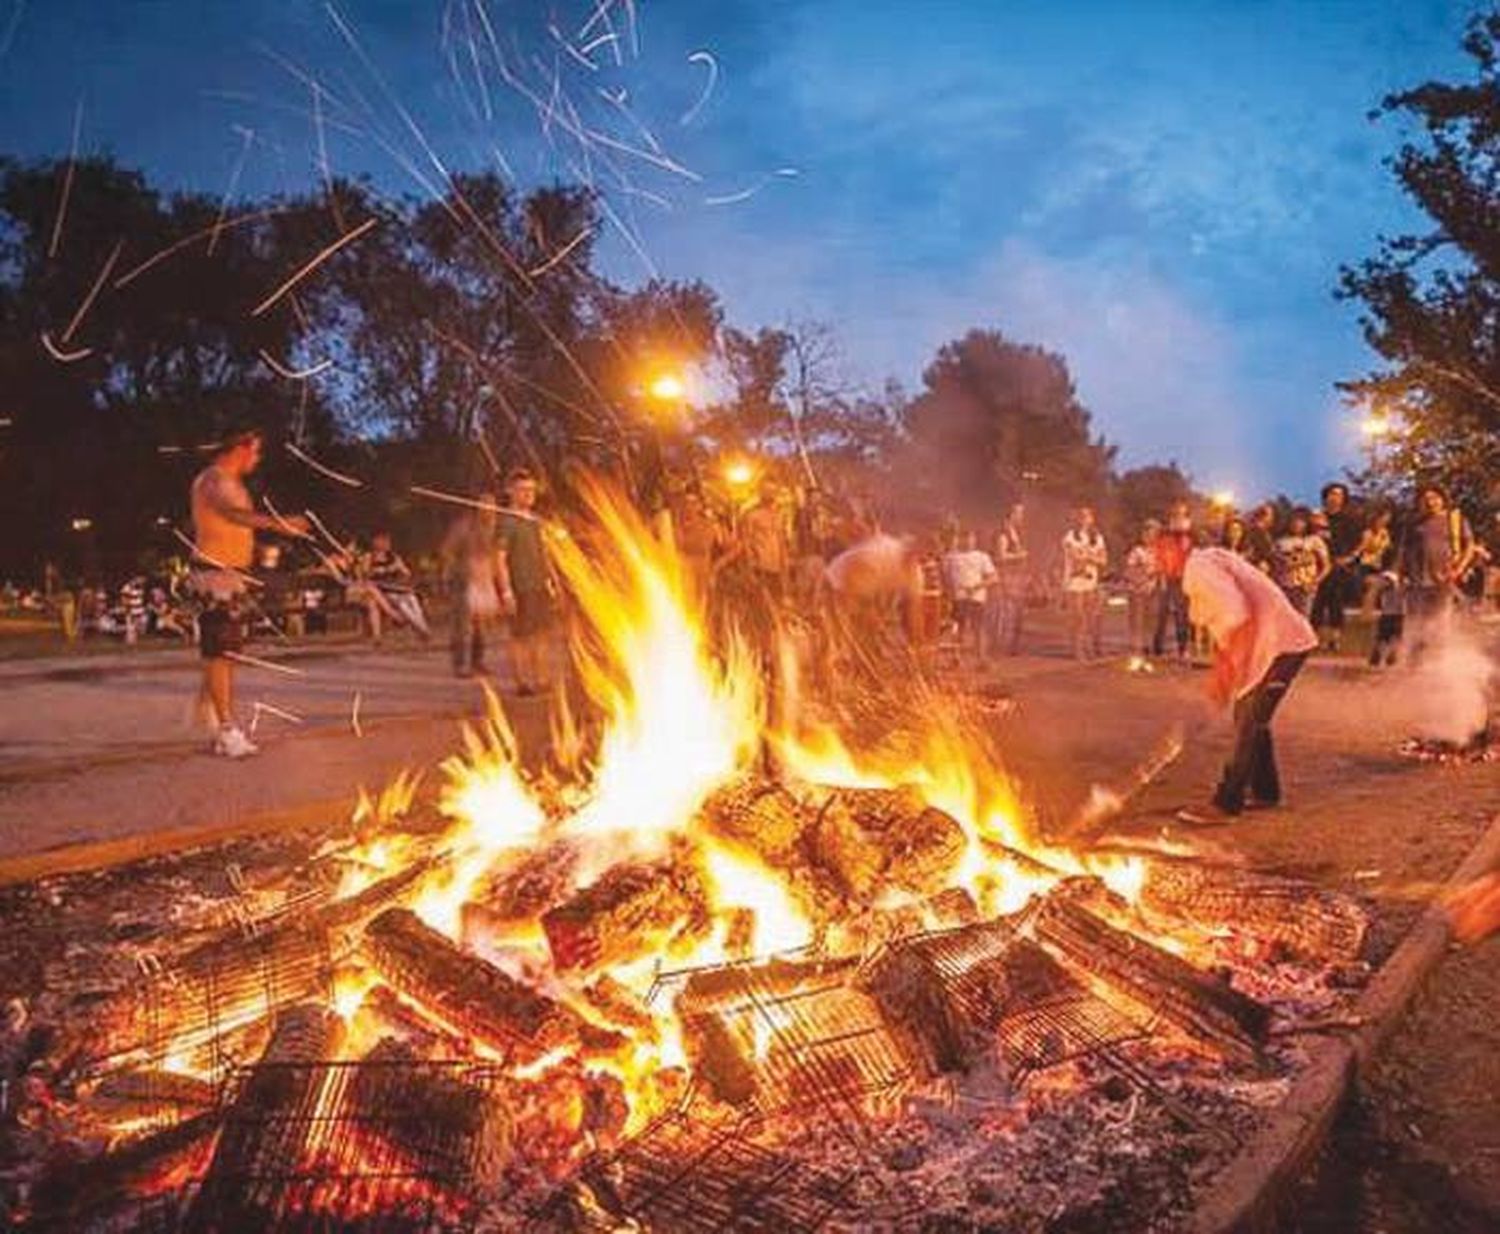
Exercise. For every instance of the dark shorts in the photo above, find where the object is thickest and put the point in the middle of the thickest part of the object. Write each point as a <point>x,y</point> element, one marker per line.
<point>534,614</point>
<point>221,629</point>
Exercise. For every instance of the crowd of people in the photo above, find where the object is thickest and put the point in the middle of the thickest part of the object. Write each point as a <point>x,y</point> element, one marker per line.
<point>1327,561</point>
<point>761,551</point>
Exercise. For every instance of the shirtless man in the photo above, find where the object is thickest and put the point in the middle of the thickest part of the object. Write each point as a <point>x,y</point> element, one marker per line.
<point>224,525</point>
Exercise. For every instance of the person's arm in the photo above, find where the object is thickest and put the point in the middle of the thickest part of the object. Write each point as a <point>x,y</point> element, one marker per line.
<point>244,516</point>
<point>502,571</point>
<point>1474,910</point>
<point>1465,545</point>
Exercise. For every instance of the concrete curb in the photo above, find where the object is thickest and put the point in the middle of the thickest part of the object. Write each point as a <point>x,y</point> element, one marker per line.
<point>1246,1196</point>
<point>106,854</point>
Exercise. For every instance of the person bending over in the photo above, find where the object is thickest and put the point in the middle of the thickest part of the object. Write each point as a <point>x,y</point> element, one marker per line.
<point>1262,642</point>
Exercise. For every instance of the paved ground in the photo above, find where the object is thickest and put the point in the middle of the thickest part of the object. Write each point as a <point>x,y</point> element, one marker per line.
<point>101,747</point>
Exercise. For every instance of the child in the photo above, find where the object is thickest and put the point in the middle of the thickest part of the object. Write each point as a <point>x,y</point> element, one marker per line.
<point>1390,605</point>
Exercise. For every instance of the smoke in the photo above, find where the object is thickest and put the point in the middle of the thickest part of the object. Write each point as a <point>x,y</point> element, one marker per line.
<point>1452,685</point>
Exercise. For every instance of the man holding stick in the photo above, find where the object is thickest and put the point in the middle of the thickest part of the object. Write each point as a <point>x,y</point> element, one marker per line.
<point>224,525</point>
<point>1262,642</point>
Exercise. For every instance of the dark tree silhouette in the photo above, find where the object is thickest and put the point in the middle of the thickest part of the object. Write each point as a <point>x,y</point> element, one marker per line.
<point>1432,299</point>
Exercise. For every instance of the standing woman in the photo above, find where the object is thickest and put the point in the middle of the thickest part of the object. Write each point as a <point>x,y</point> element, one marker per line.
<point>1302,561</point>
<point>1084,559</point>
<point>1370,556</point>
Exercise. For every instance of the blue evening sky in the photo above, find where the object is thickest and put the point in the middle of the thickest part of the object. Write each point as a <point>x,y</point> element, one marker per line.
<point>1161,191</point>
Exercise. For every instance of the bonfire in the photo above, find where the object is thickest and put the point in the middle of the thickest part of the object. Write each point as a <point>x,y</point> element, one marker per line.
<point>704,969</point>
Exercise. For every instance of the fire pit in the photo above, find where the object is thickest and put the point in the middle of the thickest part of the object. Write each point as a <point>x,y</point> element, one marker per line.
<point>714,976</point>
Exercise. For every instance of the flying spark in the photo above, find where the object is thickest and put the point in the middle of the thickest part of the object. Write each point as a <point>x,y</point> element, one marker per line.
<point>350,481</point>
<point>346,239</point>
<point>322,366</point>
<point>706,58</point>
<point>239,657</point>
<point>64,357</point>
<point>67,184</point>
<point>88,300</point>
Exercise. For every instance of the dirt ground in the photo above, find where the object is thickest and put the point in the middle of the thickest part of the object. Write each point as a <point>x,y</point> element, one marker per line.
<point>102,750</point>
<point>1418,1152</point>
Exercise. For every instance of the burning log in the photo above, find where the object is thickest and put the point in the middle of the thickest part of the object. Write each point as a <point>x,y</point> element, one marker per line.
<point>1156,980</point>
<point>233,980</point>
<point>875,839</point>
<point>460,1131</point>
<point>268,1129</point>
<point>948,992</point>
<point>718,1057</point>
<point>518,894</point>
<point>1291,915</point>
<point>634,910</point>
<point>469,995</point>
<point>151,1093</point>
<point>66,1198</point>
<point>785,1035</point>
<point>762,816</point>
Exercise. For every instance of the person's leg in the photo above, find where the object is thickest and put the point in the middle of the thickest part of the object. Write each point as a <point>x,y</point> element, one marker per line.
<point>1163,615</point>
<point>1096,623</point>
<point>372,617</point>
<point>1180,616</point>
<point>1230,795</point>
<point>1265,780</point>
<point>218,688</point>
<point>461,626</point>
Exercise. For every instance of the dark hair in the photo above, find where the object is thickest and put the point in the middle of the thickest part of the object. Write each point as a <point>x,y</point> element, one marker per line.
<point>519,475</point>
<point>1334,486</point>
<point>1433,488</point>
<point>1301,512</point>
<point>238,435</point>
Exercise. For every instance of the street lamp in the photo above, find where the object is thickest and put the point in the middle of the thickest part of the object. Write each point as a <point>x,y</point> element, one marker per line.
<point>666,388</point>
<point>1223,499</point>
<point>739,473</point>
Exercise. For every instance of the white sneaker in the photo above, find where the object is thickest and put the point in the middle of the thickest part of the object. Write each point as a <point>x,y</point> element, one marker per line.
<point>232,743</point>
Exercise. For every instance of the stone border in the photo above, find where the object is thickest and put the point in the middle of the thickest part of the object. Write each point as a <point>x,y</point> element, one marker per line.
<point>1247,1194</point>
<point>105,854</point>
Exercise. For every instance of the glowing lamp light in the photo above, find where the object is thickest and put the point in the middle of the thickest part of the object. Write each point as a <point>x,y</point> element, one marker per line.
<point>82,524</point>
<point>739,472</point>
<point>666,388</point>
<point>1224,498</point>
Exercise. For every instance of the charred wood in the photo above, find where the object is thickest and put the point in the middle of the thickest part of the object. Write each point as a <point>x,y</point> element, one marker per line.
<point>632,911</point>
<point>1300,919</point>
<point>469,995</point>
<point>458,1131</point>
<point>268,1129</point>
<point>875,839</point>
<point>1161,983</point>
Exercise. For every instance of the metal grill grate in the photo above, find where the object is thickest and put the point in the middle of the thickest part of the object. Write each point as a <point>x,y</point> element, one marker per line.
<point>363,1164</point>
<point>682,1175</point>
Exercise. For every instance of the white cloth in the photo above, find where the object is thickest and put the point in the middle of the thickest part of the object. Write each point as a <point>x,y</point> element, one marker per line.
<point>1084,559</point>
<point>969,573</point>
<point>878,565</point>
<point>1225,592</point>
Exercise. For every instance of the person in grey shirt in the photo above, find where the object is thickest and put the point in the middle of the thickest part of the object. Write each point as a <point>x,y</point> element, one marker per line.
<point>1437,551</point>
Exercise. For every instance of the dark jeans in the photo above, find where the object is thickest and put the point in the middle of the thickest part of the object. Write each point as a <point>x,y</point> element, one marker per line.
<point>1252,764</point>
<point>1328,602</point>
<point>1173,608</point>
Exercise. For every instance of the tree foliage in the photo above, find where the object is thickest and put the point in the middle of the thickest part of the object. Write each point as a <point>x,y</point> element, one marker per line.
<point>996,418</point>
<point>1431,299</point>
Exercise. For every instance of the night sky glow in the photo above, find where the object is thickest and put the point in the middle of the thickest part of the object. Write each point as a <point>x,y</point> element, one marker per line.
<point>1161,191</point>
